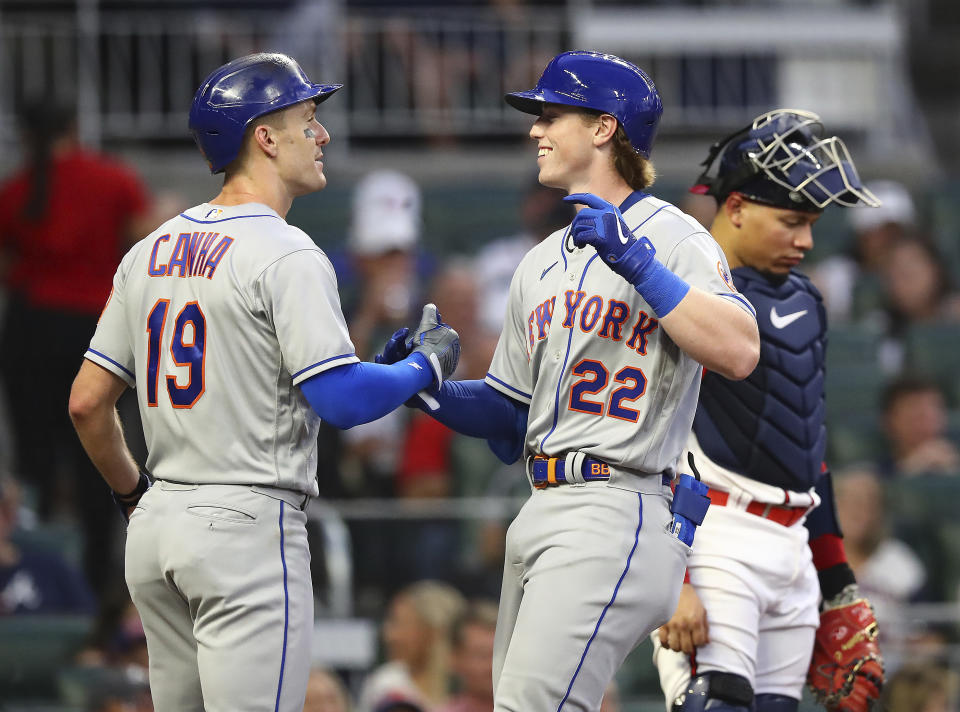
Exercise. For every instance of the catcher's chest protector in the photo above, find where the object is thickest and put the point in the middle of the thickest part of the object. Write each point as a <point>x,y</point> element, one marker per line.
<point>769,426</point>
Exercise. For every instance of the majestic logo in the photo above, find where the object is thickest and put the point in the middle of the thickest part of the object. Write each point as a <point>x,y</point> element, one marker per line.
<point>780,322</point>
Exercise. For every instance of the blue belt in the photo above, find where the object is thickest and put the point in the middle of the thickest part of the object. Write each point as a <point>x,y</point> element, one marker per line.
<point>551,471</point>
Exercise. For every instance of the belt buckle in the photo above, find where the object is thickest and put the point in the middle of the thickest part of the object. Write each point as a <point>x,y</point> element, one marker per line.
<point>537,485</point>
<point>551,480</point>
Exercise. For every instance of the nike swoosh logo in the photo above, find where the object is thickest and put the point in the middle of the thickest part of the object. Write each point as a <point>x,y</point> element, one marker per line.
<point>623,238</point>
<point>544,274</point>
<point>780,322</point>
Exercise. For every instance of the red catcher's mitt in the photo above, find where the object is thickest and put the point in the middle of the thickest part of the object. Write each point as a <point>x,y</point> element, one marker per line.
<point>846,671</point>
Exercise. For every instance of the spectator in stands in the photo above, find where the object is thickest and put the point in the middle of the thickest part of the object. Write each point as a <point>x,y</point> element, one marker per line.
<point>382,282</point>
<point>384,236</point>
<point>921,687</point>
<point>917,285</point>
<point>118,691</point>
<point>381,285</point>
<point>66,218</point>
<point>118,641</point>
<point>854,275</point>
<point>472,644</point>
<point>888,572</point>
<point>326,692</point>
<point>914,416</point>
<point>416,634</point>
<point>35,581</point>
<point>431,465</point>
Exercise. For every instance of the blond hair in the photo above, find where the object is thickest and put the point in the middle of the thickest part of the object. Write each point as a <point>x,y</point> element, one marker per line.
<point>638,172</point>
<point>438,605</point>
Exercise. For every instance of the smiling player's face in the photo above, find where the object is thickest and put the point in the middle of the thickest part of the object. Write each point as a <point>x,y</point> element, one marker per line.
<point>300,149</point>
<point>565,150</point>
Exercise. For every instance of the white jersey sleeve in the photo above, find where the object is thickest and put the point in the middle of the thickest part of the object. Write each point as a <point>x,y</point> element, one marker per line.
<point>111,347</point>
<point>699,261</point>
<point>511,370</point>
<point>298,283</point>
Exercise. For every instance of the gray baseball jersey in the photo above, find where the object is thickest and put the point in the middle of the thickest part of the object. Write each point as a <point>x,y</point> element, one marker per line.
<point>591,568</point>
<point>215,318</point>
<point>585,351</point>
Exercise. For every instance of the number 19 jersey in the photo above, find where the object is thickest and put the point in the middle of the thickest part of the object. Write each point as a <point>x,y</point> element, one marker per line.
<point>215,318</point>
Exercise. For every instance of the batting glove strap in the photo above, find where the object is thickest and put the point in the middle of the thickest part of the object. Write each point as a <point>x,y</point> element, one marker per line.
<point>438,343</point>
<point>130,499</point>
<point>661,288</point>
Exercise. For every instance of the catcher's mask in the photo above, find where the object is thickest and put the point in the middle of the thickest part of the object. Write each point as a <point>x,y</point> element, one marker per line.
<point>781,159</point>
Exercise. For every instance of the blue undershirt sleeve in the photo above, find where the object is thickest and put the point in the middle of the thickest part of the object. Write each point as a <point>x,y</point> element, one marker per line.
<point>475,408</point>
<point>357,393</point>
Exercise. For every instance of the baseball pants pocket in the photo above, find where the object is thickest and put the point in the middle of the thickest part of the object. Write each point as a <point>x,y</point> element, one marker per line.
<point>219,513</point>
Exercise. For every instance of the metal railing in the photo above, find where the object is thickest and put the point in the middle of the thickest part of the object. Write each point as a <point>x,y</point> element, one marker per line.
<point>443,74</point>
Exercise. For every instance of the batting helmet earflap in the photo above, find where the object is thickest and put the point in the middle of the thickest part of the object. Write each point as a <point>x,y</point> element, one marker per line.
<point>241,91</point>
<point>602,82</point>
<point>782,159</point>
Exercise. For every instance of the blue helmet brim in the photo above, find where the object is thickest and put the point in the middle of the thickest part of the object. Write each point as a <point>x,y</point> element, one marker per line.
<point>325,91</point>
<point>531,102</point>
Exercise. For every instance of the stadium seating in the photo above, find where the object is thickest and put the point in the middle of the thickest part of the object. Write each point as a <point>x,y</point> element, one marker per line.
<point>34,649</point>
<point>932,349</point>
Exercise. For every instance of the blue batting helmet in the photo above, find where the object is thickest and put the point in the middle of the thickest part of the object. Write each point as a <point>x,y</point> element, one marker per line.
<point>239,92</point>
<point>602,82</point>
<point>782,159</point>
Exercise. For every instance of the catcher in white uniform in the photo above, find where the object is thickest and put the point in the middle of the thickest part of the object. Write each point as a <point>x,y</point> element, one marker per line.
<point>747,621</point>
<point>227,321</point>
<point>595,381</point>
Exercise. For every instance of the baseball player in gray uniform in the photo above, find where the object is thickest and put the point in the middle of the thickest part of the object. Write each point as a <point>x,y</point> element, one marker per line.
<point>595,381</point>
<point>227,321</point>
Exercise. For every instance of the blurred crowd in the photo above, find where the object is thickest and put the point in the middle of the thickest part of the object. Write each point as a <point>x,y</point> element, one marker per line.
<point>893,414</point>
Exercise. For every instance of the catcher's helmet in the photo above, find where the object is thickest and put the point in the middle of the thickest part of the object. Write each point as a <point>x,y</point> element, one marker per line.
<point>782,160</point>
<point>602,82</point>
<point>240,91</point>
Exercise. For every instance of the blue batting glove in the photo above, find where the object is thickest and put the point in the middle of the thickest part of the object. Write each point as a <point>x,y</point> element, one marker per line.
<point>396,349</point>
<point>601,225</point>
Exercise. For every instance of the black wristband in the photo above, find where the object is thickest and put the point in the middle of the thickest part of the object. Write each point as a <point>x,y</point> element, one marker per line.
<point>133,497</point>
<point>834,579</point>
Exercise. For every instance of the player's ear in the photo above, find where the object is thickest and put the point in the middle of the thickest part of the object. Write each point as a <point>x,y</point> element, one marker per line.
<point>733,208</point>
<point>604,129</point>
<point>265,138</point>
